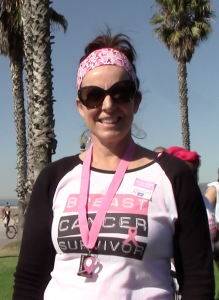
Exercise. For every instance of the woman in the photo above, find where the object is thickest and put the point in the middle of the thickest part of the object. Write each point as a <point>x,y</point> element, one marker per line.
<point>112,217</point>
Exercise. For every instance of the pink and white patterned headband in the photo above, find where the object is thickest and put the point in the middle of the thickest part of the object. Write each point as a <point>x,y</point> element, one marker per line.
<point>105,56</point>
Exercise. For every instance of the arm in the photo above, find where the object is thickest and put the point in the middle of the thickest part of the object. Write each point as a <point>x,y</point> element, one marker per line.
<point>211,194</point>
<point>37,253</point>
<point>192,246</point>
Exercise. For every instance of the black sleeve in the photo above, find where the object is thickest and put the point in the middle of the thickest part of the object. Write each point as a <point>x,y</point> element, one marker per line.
<point>37,253</point>
<point>192,245</point>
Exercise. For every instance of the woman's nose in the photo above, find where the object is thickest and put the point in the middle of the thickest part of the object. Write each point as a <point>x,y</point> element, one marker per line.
<point>108,103</point>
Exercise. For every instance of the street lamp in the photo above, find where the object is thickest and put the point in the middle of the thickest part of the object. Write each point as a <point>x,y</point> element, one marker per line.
<point>83,141</point>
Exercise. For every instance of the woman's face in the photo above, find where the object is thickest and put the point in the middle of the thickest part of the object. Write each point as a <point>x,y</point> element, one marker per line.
<point>109,122</point>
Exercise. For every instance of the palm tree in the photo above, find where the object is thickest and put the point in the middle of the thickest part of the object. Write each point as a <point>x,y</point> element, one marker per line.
<point>27,20</point>
<point>11,45</point>
<point>37,46</point>
<point>39,113</point>
<point>183,25</point>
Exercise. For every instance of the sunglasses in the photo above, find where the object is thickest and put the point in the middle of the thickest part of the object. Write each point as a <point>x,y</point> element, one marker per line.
<point>120,92</point>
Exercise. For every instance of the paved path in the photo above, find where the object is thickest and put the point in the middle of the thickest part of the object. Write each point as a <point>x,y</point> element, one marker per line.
<point>3,239</point>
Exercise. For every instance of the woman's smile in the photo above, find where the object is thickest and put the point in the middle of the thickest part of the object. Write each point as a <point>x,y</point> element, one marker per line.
<point>109,122</point>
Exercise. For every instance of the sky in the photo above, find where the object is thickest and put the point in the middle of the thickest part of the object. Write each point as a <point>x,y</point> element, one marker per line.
<point>159,114</point>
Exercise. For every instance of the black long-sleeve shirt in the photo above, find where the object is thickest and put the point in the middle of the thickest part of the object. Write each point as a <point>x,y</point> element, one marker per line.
<point>191,240</point>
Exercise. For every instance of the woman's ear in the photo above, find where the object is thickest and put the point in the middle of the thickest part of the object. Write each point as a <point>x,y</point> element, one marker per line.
<point>137,100</point>
<point>80,107</point>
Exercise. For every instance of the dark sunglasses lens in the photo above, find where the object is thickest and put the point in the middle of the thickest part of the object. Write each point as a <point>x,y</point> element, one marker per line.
<point>120,92</point>
<point>91,96</point>
<point>123,91</point>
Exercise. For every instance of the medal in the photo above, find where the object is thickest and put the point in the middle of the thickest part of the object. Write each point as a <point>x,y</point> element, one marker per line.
<point>89,237</point>
<point>86,264</point>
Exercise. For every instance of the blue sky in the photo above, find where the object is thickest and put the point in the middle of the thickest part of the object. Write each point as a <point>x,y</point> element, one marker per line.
<point>159,114</point>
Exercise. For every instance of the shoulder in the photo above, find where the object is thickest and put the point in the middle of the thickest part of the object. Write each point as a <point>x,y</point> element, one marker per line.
<point>213,188</point>
<point>184,184</point>
<point>173,166</point>
<point>214,184</point>
<point>63,164</point>
<point>49,178</point>
<point>56,170</point>
<point>170,164</point>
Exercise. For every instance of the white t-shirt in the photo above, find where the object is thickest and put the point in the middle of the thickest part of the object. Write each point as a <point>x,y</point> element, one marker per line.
<point>157,213</point>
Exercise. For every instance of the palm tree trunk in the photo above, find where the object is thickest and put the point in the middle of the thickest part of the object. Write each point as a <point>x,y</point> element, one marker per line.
<point>183,99</point>
<point>28,53</point>
<point>16,67</point>
<point>43,123</point>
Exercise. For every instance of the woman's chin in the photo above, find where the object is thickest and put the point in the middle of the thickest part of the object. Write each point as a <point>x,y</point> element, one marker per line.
<point>112,137</point>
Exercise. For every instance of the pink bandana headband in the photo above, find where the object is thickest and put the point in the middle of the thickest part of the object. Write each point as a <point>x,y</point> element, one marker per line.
<point>105,56</point>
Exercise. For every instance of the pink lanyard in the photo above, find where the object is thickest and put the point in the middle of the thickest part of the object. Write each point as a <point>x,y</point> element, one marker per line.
<point>89,238</point>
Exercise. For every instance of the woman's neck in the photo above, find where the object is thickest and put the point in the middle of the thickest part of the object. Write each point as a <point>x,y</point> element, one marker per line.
<point>108,155</point>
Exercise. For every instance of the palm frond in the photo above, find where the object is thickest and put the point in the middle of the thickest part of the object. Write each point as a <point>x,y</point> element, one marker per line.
<point>175,37</point>
<point>57,19</point>
<point>12,30</point>
<point>183,23</point>
<point>157,19</point>
<point>195,31</point>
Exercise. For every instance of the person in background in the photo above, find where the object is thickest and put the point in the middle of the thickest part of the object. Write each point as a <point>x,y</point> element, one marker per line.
<point>6,216</point>
<point>104,224</point>
<point>192,159</point>
<point>212,194</point>
<point>7,205</point>
<point>160,149</point>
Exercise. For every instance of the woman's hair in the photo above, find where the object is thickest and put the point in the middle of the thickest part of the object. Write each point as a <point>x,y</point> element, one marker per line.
<point>120,42</point>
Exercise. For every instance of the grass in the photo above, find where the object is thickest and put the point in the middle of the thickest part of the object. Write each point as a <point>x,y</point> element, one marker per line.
<point>7,269</point>
<point>216,275</point>
<point>8,261</point>
<point>11,249</point>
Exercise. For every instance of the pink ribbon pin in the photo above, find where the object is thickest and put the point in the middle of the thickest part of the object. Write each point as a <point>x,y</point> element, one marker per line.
<point>132,233</point>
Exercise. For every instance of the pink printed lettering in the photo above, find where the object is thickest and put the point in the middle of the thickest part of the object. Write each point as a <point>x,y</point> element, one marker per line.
<point>124,203</point>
